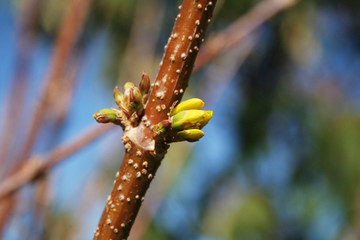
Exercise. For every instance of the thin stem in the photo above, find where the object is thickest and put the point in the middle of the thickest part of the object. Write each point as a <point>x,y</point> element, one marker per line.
<point>143,153</point>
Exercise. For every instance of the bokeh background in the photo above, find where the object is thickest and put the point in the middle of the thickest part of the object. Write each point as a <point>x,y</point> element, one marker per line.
<point>280,159</point>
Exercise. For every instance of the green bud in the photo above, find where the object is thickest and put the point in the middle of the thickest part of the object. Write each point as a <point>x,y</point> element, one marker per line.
<point>193,103</point>
<point>128,86</point>
<point>191,135</point>
<point>126,103</point>
<point>105,115</point>
<point>144,84</point>
<point>118,96</point>
<point>135,98</point>
<point>191,119</point>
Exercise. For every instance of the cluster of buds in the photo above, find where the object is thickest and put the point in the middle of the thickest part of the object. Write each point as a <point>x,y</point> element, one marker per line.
<point>131,102</point>
<point>186,120</point>
<point>133,99</point>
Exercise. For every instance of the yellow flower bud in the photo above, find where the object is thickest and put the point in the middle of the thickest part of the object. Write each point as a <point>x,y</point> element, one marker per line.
<point>191,119</point>
<point>191,135</point>
<point>193,103</point>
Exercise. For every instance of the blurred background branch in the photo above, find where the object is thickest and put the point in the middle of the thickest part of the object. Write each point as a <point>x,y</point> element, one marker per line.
<point>37,165</point>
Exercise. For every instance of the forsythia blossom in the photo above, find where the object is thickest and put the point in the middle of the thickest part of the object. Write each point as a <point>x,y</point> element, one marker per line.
<point>188,119</point>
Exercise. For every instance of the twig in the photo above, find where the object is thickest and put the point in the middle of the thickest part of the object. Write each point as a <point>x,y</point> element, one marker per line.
<point>143,153</point>
<point>35,166</point>
<point>241,28</point>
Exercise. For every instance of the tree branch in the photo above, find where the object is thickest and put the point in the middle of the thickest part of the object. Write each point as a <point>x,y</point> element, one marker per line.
<point>144,152</point>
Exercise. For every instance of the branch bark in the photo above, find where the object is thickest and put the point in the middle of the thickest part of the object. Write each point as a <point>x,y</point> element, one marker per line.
<point>143,151</point>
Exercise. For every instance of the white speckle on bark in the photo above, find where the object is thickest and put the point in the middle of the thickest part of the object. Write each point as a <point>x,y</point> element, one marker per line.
<point>121,197</point>
<point>136,166</point>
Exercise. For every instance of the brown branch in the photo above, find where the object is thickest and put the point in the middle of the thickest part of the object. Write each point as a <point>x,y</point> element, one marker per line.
<point>36,166</point>
<point>240,29</point>
<point>143,153</point>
